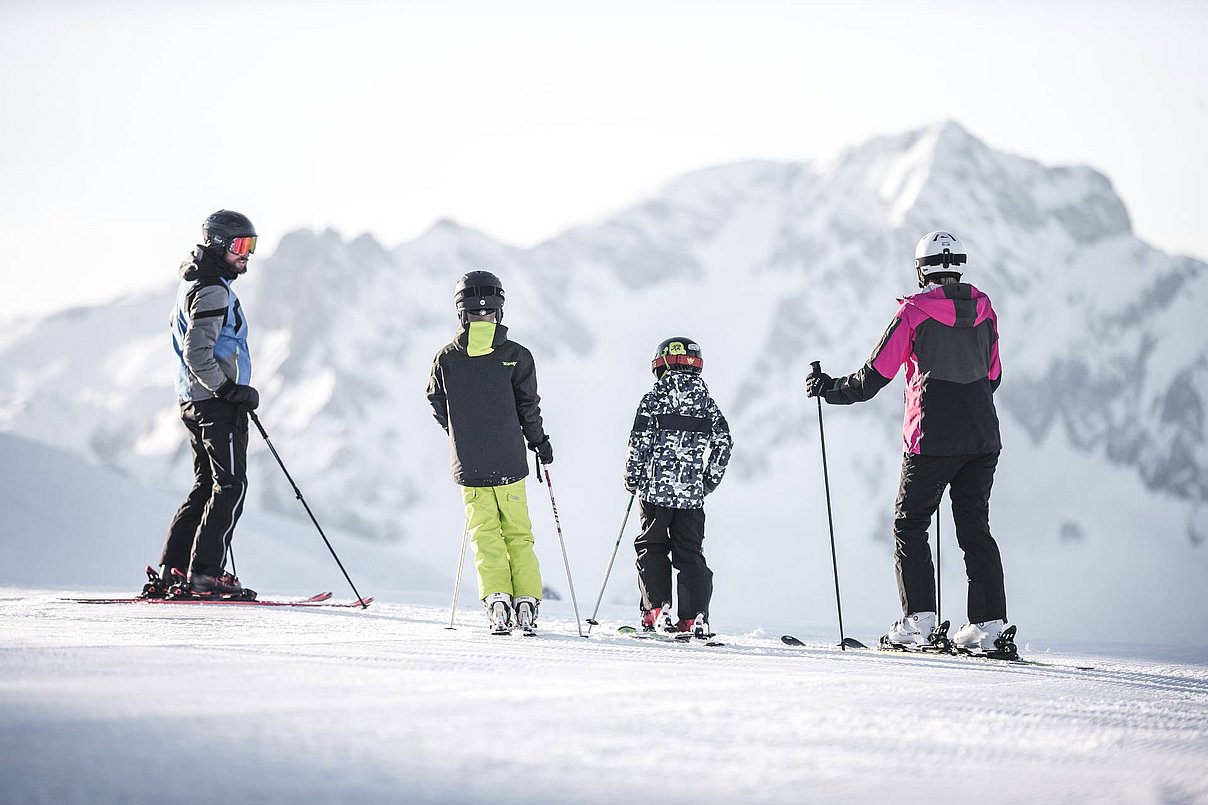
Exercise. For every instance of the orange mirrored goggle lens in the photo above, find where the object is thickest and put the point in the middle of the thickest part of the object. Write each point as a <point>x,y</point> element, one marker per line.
<point>242,246</point>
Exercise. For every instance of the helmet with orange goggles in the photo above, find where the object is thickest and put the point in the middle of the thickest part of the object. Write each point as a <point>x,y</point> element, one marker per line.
<point>227,230</point>
<point>679,354</point>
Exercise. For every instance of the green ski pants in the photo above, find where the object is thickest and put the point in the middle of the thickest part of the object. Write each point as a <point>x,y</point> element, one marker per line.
<point>502,535</point>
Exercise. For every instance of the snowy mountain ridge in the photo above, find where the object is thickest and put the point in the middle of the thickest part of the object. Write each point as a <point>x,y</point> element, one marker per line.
<point>768,265</point>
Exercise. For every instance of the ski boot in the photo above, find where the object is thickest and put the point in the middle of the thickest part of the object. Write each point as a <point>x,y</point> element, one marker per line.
<point>910,633</point>
<point>658,619</point>
<point>223,586</point>
<point>938,640</point>
<point>499,609</point>
<point>697,627</point>
<point>992,639</point>
<point>157,585</point>
<point>526,614</point>
<point>178,584</point>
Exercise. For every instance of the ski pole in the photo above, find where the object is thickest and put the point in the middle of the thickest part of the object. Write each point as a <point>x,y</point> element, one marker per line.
<point>461,562</point>
<point>298,492</point>
<point>592,620</point>
<point>939,583</point>
<point>843,640</point>
<point>558,525</point>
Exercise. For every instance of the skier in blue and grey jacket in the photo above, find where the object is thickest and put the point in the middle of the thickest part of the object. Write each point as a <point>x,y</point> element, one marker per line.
<point>209,334</point>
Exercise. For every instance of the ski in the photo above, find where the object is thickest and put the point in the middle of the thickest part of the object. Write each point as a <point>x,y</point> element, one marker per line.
<point>669,637</point>
<point>314,599</point>
<point>790,640</point>
<point>319,600</point>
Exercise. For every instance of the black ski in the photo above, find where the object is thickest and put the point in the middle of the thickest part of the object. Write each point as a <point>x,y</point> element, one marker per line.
<point>932,651</point>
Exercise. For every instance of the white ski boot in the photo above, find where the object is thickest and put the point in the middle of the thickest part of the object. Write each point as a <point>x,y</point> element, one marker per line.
<point>663,621</point>
<point>499,609</point>
<point>526,614</point>
<point>989,638</point>
<point>910,633</point>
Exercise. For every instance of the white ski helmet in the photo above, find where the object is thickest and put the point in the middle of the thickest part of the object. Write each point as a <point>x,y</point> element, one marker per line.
<point>938,254</point>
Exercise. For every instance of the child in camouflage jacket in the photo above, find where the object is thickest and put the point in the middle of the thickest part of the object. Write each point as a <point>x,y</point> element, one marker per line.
<point>678,451</point>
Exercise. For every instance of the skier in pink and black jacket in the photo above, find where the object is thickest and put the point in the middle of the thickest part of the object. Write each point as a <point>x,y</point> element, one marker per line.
<point>947,336</point>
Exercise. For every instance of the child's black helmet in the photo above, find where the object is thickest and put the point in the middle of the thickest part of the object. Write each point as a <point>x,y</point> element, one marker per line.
<point>678,353</point>
<point>478,290</point>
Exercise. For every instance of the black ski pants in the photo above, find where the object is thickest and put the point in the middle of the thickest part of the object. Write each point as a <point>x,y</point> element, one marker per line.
<point>673,536</point>
<point>969,478</point>
<point>200,534</point>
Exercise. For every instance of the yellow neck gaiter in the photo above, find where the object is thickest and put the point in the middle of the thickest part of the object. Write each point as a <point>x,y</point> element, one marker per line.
<point>482,333</point>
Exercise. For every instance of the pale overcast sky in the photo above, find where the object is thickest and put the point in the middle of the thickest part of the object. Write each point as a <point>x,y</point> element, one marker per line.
<point>123,124</point>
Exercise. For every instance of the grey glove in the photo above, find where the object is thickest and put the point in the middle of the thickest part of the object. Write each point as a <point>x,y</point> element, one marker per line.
<point>711,485</point>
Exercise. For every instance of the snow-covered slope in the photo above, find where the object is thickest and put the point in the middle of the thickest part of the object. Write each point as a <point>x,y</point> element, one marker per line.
<point>144,703</point>
<point>1100,503</point>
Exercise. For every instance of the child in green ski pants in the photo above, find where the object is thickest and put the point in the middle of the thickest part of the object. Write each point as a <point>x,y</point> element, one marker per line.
<point>483,392</point>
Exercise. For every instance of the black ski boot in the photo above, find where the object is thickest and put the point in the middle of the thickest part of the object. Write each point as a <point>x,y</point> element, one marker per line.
<point>223,586</point>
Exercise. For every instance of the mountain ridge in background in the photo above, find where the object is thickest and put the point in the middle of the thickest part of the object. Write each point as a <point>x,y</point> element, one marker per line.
<point>1100,499</point>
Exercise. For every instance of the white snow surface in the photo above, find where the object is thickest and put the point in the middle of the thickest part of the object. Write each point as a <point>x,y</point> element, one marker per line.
<point>134,703</point>
<point>150,703</point>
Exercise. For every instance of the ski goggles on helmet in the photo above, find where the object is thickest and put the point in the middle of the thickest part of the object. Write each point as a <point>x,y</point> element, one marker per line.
<point>242,246</point>
<point>483,293</point>
<point>690,362</point>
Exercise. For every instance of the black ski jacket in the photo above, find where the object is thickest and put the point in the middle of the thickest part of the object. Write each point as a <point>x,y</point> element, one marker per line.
<point>483,392</point>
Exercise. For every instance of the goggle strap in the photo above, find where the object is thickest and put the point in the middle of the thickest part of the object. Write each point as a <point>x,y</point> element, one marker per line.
<point>481,291</point>
<point>944,259</point>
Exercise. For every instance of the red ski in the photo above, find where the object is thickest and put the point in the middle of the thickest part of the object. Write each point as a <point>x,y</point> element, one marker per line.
<point>320,600</point>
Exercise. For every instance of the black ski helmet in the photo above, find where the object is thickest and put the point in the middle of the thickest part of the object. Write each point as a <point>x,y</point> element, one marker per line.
<point>678,353</point>
<point>478,291</point>
<point>224,226</point>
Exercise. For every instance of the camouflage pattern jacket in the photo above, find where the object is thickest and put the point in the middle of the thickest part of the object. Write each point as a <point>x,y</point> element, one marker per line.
<point>679,441</point>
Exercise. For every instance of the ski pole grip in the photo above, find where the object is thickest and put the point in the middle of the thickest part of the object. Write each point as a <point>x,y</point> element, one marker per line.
<point>816,366</point>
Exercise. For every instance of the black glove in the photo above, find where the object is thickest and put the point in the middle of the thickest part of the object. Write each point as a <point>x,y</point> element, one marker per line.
<point>544,451</point>
<point>631,487</point>
<point>817,384</point>
<point>711,485</point>
<point>245,396</point>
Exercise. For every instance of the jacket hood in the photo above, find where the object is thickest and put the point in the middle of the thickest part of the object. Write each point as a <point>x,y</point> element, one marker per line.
<point>956,305</point>
<point>203,264</point>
